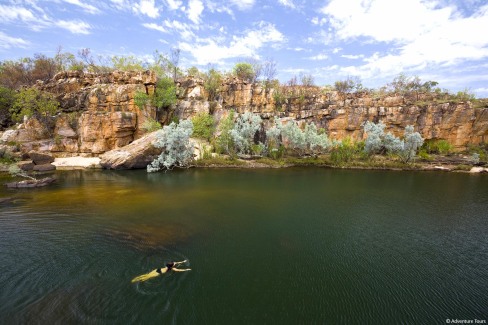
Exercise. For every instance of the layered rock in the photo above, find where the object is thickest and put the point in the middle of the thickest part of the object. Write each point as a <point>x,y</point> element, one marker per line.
<point>99,113</point>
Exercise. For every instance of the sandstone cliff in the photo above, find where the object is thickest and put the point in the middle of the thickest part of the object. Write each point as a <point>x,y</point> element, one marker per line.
<point>99,113</point>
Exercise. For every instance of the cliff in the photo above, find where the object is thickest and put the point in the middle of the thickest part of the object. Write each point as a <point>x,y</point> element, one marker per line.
<point>99,113</point>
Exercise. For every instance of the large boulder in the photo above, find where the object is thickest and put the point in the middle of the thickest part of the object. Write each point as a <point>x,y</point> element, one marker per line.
<point>40,158</point>
<point>138,154</point>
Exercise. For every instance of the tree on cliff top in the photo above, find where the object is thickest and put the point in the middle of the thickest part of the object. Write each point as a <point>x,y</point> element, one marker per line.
<point>244,71</point>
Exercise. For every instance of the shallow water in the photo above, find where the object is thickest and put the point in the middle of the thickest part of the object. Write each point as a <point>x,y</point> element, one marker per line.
<point>265,246</point>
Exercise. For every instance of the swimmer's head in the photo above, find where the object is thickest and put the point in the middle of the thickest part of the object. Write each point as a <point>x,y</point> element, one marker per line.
<point>170,264</point>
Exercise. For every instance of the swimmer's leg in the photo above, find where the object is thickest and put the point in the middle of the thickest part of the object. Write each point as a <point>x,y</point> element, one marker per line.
<point>145,277</point>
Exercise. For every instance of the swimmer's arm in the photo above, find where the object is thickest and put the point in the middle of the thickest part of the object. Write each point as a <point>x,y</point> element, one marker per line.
<point>180,270</point>
<point>176,263</point>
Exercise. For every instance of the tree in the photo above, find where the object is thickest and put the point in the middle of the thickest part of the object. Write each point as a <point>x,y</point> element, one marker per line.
<point>224,141</point>
<point>165,94</point>
<point>244,130</point>
<point>7,98</point>
<point>174,139</point>
<point>269,72</point>
<point>174,58</point>
<point>307,80</point>
<point>213,80</point>
<point>377,141</point>
<point>203,126</point>
<point>127,63</point>
<point>309,141</point>
<point>33,102</point>
<point>244,71</point>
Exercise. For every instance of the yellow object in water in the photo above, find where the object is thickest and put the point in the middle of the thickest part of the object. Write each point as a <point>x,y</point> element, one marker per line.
<point>158,272</point>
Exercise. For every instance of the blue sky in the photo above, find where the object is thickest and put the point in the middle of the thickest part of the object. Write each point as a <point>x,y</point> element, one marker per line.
<point>443,40</point>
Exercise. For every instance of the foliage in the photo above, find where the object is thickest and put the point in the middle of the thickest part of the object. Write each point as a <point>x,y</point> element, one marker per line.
<point>15,171</point>
<point>141,99</point>
<point>165,93</point>
<point>244,71</point>
<point>465,95</point>
<point>274,145</point>
<point>348,85</point>
<point>7,98</point>
<point>203,126</point>
<point>378,141</point>
<point>244,130</point>
<point>374,142</point>
<point>308,141</point>
<point>224,142</point>
<point>475,158</point>
<point>151,125</point>
<point>345,151</point>
<point>213,80</point>
<point>307,80</point>
<point>128,63</point>
<point>174,139</point>
<point>440,146</point>
<point>33,102</point>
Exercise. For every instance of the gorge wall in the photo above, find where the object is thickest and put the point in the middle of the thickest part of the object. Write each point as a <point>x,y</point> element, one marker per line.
<point>99,113</point>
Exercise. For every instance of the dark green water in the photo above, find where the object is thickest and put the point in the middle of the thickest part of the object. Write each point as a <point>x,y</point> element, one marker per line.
<point>307,246</point>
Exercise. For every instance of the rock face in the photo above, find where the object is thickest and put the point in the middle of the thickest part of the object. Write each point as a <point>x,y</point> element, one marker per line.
<point>99,113</point>
<point>138,154</point>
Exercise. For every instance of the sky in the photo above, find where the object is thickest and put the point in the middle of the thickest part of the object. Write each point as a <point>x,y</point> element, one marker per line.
<point>375,40</point>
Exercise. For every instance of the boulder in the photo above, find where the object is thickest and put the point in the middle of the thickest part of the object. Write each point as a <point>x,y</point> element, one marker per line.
<point>40,158</point>
<point>475,170</point>
<point>138,154</point>
<point>26,165</point>
<point>44,168</point>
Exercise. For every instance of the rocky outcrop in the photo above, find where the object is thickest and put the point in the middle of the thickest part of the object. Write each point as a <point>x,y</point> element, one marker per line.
<point>100,115</point>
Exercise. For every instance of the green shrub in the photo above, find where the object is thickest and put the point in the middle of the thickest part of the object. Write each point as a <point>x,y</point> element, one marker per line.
<point>441,147</point>
<point>141,99</point>
<point>203,126</point>
<point>224,142</point>
<point>165,94</point>
<point>33,102</point>
<point>344,152</point>
<point>151,125</point>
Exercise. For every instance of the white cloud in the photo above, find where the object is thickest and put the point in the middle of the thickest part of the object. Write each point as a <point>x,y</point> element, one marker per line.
<point>185,30</point>
<point>74,26</point>
<point>212,50</point>
<point>7,42</point>
<point>174,4</point>
<point>352,56</point>
<point>87,7</point>
<point>146,7</point>
<point>336,50</point>
<point>195,9</point>
<point>287,3</point>
<point>319,57</point>
<point>243,4</point>
<point>13,13</point>
<point>319,21</point>
<point>155,27</point>
<point>418,34</point>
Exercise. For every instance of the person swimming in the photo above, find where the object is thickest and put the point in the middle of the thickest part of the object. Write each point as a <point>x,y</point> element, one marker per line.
<point>159,271</point>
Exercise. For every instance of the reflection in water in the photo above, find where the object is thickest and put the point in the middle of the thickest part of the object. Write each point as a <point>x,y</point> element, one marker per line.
<point>265,246</point>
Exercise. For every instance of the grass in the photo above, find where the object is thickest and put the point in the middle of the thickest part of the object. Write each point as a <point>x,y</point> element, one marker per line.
<point>219,161</point>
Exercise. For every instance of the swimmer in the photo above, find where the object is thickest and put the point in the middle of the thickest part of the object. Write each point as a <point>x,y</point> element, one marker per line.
<point>157,272</point>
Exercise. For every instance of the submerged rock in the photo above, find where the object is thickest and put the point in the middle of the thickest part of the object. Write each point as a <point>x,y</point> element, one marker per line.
<point>31,183</point>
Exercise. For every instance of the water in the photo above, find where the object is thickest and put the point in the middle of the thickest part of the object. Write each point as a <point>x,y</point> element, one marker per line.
<point>280,246</point>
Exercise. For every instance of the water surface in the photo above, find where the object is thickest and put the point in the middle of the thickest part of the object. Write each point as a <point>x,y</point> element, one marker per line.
<point>266,246</point>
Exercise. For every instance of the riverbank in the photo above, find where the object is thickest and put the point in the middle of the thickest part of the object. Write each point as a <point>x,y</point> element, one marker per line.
<point>458,163</point>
